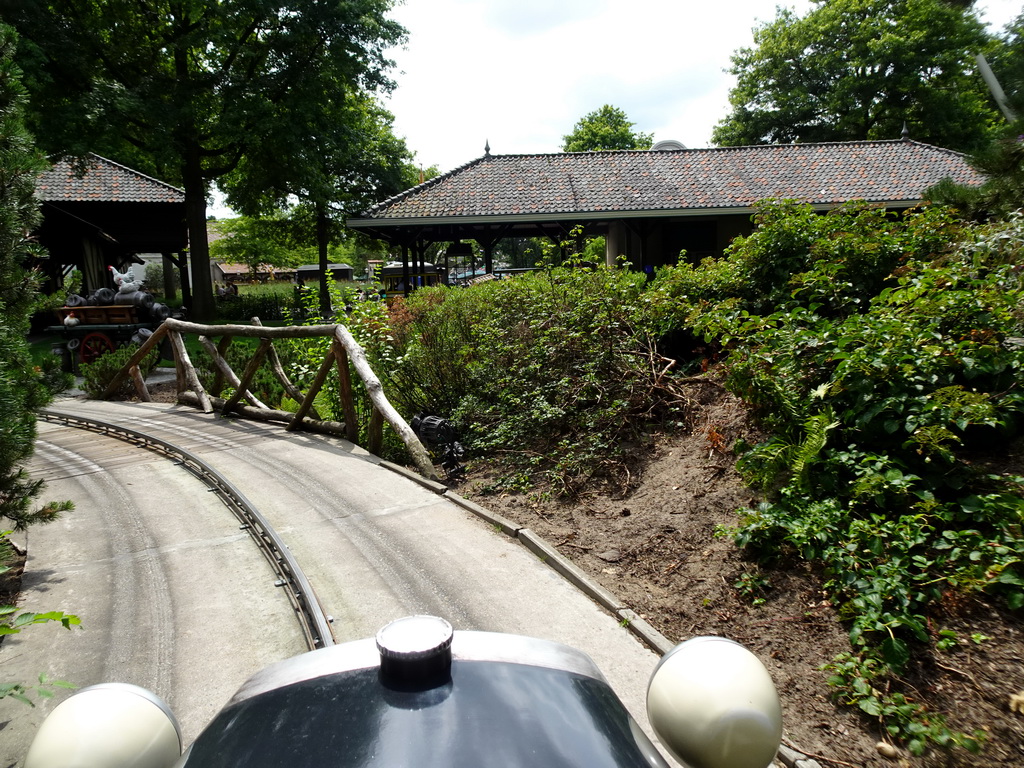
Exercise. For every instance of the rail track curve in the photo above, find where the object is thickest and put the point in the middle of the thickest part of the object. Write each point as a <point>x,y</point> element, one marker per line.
<point>314,621</point>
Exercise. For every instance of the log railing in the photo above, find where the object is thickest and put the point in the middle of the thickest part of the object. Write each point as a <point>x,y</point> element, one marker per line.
<point>344,349</point>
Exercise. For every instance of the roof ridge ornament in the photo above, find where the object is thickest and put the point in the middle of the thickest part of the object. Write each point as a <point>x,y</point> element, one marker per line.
<point>905,133</point>
<point>487,148</point>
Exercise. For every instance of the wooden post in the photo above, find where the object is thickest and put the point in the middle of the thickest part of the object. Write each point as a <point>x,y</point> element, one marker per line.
<point>348,405</point>
<point>188,373</point>
<point>140,384</point>
<point>314,388</point>
<point>275,365</point>
<point>134,360</point>
<point>222,349</point>
<point>224,372</point>
<point>375,432</point>
<point>376,392</point>
<point>250,371</point>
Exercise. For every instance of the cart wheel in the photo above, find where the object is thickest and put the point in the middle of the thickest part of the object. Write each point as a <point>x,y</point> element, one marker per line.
<point>93,345</point>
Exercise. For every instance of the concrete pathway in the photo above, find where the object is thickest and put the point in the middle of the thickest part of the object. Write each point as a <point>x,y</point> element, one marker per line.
<point>375,544</point>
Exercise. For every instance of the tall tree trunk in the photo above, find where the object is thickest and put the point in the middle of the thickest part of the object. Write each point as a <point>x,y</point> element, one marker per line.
<point>321,246</point>
<point>203,308</point>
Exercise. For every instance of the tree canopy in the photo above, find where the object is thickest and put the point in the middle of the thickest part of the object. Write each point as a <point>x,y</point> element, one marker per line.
<point>862,69</point>
<point>340,160</point>
<point>1001,161</point>
<point>605,128</point>
<point>188,90</point>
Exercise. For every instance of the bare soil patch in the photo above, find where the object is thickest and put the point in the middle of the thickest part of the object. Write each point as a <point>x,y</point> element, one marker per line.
<point>657,549</point>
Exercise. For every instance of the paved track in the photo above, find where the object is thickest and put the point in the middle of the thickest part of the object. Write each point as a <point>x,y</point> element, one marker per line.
<point>174,597</point>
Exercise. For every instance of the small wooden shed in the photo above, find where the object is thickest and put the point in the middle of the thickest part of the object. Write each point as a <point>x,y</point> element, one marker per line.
<point>98,214</point>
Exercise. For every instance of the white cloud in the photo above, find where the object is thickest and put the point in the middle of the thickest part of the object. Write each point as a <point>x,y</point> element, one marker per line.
<point>520,73</point>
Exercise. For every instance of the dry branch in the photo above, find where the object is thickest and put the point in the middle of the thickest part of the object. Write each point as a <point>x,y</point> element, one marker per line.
<point>134,360</point>
<point>376,392</point>
<point>225,372</point>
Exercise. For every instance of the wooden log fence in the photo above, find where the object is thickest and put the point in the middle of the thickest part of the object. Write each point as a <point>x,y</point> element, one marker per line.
<point>344,349</point>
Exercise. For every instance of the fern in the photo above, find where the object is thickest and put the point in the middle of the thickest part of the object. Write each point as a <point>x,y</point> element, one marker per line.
<point>771,461</point>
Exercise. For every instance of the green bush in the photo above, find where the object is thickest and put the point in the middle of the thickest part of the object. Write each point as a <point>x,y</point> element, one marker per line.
<point>878,393</point>
<point>267,302</point>
<point>550,372</point>
<point>98,374</point>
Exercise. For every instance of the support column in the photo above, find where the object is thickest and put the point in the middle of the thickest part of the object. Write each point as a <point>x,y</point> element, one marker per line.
<point>170,291</point>
<point>405,268</point>
<point>614,243</point>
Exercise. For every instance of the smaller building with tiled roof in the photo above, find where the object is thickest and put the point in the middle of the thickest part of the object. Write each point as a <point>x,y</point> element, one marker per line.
<point>98,213</point>
<point>652,204</point>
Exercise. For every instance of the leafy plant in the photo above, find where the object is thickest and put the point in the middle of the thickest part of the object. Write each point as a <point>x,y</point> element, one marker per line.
<point>12,622</point>
<point>98,374</point>
<point>550,372</point>
<point>877,350</point>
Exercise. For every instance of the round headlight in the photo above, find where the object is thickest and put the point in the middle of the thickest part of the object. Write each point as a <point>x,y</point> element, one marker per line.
<point>713,705</point>
<point>112,725</point>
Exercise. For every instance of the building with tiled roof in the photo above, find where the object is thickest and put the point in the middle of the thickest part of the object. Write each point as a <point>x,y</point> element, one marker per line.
<point>653,204</point>
<point>98,213</point>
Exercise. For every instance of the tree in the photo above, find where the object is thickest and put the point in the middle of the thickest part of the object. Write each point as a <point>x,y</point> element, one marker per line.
<point>605,128</point>
<point>1001,161</point>
<point>190,89</point>
<point>862,69</point>
<point>23,387</point>
<point>254,242</point>
<point>343,158</point>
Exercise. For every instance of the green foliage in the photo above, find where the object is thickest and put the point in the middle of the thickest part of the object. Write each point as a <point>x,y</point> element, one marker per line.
<point>606,128</point>
<point>550,371</point>
<point>11,623</point>
<point>798,258</point>
<point>267,302</point>
<point>223,85</point>
<point>863,683</point>
<point>861,69</point>
<point>884,349</point>
<point>1002,163</point>
<point>97,375</point>
<point>255,242</point>
<point>24,387</point>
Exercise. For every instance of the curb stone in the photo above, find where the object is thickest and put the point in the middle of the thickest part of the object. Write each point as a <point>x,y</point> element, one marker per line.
<point>787,757</point>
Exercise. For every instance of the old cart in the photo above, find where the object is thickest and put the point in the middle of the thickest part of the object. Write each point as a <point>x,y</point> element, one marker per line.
<point>99,329</point>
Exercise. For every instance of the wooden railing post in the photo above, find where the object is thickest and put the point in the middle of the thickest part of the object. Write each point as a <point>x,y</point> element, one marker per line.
<point>314,388</point>
<point>224,371</point>
<point>219,376</point>
<point>250,371</point>
<point>140,353</point>
<point>343,350</point>
<point>348,405</point>
<point>188,372</point>
<point>375,432</point>
<point>420,456</point>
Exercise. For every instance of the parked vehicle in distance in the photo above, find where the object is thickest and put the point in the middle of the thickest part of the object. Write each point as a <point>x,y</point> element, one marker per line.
<point>422,695</point>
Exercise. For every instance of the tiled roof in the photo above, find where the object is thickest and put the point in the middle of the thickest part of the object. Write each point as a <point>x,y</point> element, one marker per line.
<point>688,179</point>
<point>103,181</point>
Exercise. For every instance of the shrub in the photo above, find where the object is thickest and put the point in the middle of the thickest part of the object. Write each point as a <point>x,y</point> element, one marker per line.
<point>550,371</point>
<point>98,374</point>
<point>873,406</point>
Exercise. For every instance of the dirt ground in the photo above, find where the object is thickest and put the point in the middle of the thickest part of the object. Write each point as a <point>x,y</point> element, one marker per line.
<point>657,550</point>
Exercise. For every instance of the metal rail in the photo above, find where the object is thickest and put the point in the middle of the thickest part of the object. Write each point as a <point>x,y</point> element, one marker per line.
<point>316,625</point>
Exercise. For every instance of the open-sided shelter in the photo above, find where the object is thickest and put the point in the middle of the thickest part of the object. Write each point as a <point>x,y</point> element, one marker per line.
<point>98,214</point>
<point>651,205</point>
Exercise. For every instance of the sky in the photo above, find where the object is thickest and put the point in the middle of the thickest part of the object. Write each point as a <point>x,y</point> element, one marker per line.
<point>519,74</point>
